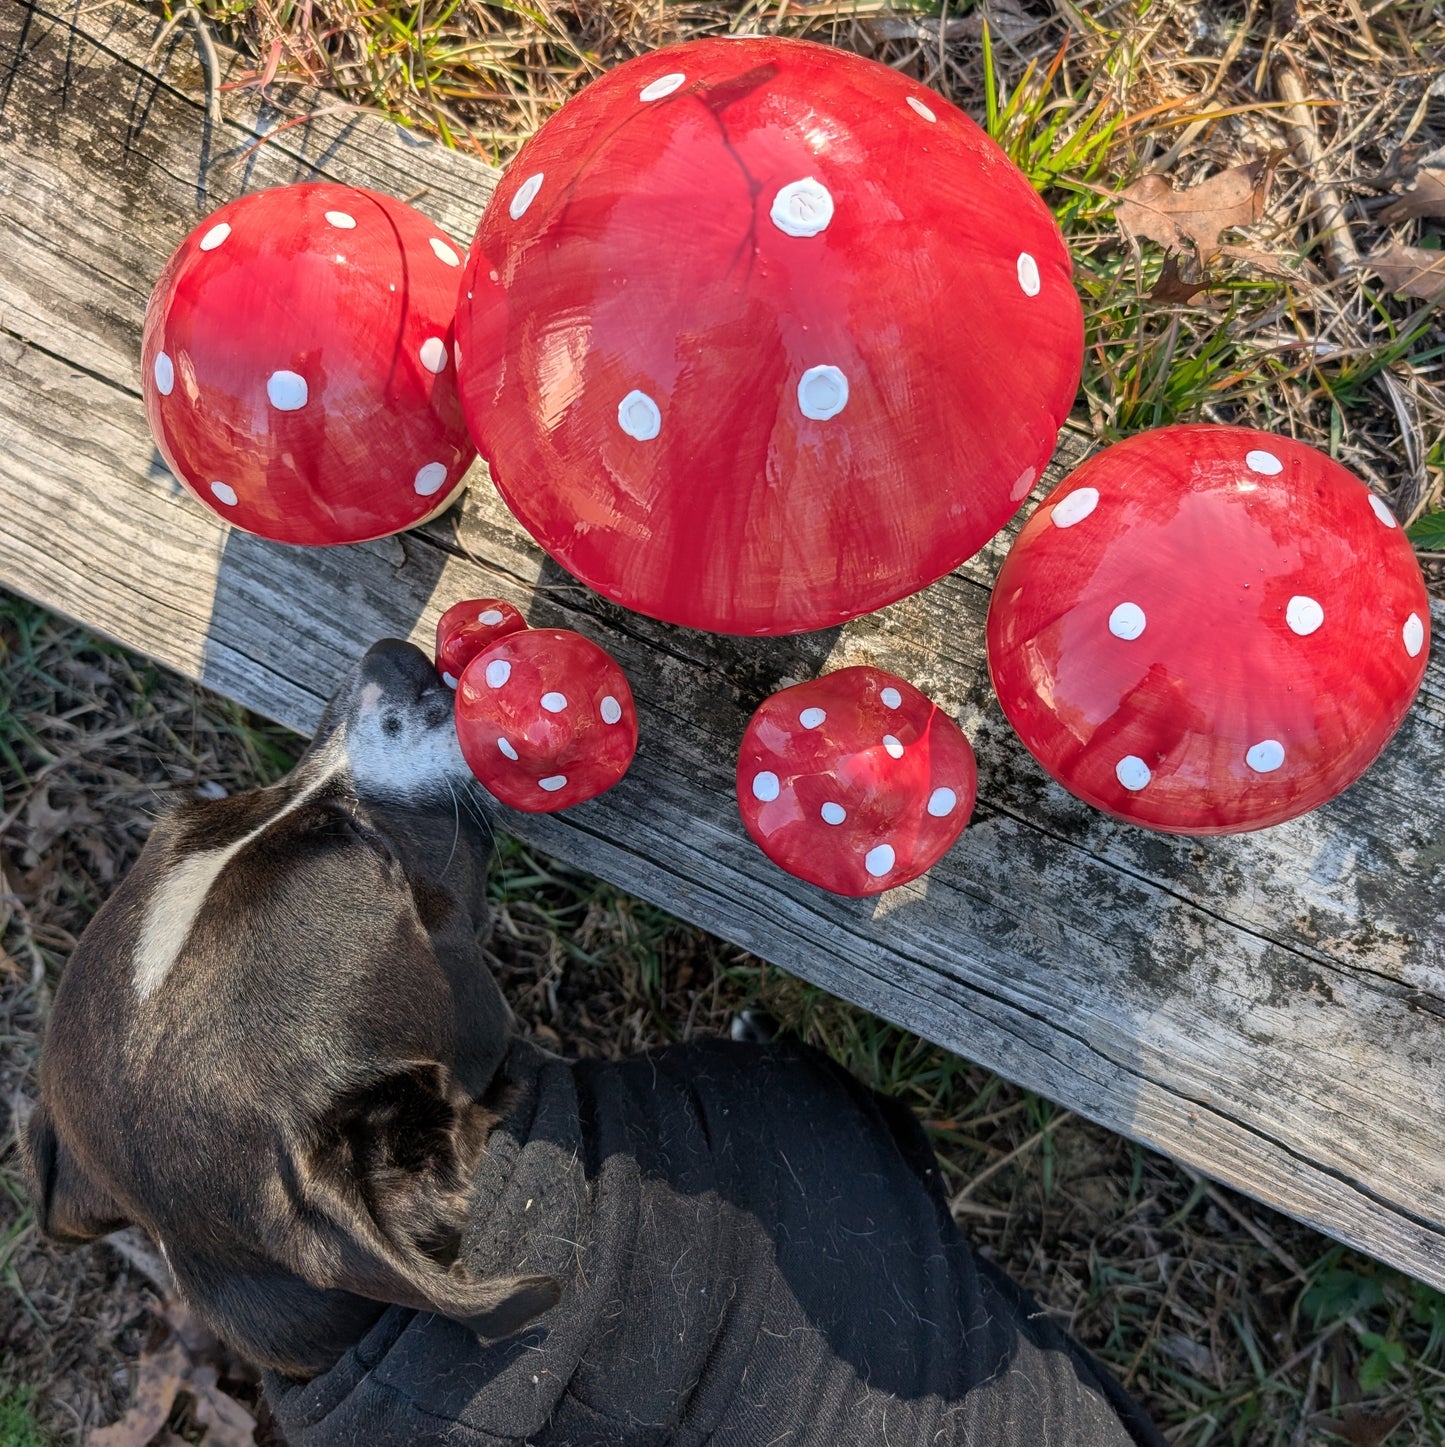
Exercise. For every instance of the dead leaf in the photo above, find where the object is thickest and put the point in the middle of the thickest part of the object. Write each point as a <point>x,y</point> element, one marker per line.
<point>1425,198</point>
<point>158,1379</point>
<point>1361,1428</point>
<point>1410,271</point>
<point>1198,216</point>
<point>1172,287</point>
<point>227,1422</point>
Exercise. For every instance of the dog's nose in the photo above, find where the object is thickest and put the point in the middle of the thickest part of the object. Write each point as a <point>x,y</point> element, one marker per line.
<point>401,670</point>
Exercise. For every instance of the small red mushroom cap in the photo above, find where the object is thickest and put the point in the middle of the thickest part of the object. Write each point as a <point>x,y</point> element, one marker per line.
<point>466,628</point>
<point>758,335</point>
<point>545,719</point>
<point>1208,629</point>
<point>855,782</point>
<point>297,365</point>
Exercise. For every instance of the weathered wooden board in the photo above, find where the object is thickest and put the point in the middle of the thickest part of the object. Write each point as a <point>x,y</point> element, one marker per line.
<point>1270,1009</point>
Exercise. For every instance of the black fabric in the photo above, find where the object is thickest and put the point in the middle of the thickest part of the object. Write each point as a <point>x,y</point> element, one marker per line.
<point>754,1250</point>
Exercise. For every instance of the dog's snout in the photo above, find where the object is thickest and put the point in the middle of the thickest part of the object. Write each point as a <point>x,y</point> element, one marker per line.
<point>401,671</point>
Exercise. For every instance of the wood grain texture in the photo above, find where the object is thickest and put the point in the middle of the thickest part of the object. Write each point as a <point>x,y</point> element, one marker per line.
<point>1269,1009</point>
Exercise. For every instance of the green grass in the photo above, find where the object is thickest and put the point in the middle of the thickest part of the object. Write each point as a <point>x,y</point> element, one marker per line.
<point>17,1424</point>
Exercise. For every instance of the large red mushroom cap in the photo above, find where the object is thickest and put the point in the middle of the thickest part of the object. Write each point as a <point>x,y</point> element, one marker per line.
<point>468,627</point>
<point>1208,629</point>
<point>758,335</point>
<point>855,782</point>
<point>297,365</point>
<point>545,719</point>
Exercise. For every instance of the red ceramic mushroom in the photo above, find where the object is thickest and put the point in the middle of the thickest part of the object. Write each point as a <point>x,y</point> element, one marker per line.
<point>296,365</point>
<point>1208,629</point>
<point>758,335</point>
<point>855,781</point>
<point>545,719</point>
<point>468,627</point>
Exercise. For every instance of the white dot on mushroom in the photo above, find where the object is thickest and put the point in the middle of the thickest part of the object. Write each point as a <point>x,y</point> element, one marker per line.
<point>1265,463</point>
<point>286,391</point>
<point>165,374</point>
<point>444,252</point>
<point>1028,270</point>
<point>810,718</point>
<point>505,746</point>
<point>879,860</point>
<point>554,702</point>
<point>942,802</point>
<point>638,416</point>
<point>1381,509</point>
<point>449,679</point>
<point>490,617</point>
<point>921,109</point>
<point>1303,615</point>
<point>1413,634</point>
<point>526,193</point>
<point>433,354</point>
<point>1266,756</point>
<point>1132,772</point>
<point>1074,508</point>
<point>802,208</point>
<point>822,393</point>
<point>664,85</point>
<point>553,783</point>
<point>498,672</point>
<point>1127,621</point>
<point>215,236</point>
<point>429,478</point>
<point>610,710</point>
<point>833,813</point>
<point>224,492</point>
<point>765,786</point>
<point>894,747</point>
<point>891,698</point>
<point>341,220</point>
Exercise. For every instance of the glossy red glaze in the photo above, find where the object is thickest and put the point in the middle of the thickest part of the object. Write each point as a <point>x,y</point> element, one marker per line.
<point>468,627</point>
<point>297,369</point>
<point>1207,629</point>
<point>652,362</point>
<point>855,781</point>
<point>545,719</point>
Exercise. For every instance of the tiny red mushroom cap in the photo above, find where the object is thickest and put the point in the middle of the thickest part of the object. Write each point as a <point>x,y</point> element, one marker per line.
<point>297,365</point>
<point>468,627</point>
<point>1208,629</point>
<point>545,719</point>
<point>792,418</point>
<point>855,782</point>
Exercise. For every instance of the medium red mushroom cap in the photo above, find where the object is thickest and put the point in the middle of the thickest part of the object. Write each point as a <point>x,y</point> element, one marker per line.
<point>758,335</point>
<point>545,719</point>
<point>855,782</point>
<point>469,627</point>
<point>297,365</point>
<point>1208,629</point>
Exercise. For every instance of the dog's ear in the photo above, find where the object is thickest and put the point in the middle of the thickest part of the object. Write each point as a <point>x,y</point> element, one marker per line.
<point>395,1160</point>
<point>69,1206</point>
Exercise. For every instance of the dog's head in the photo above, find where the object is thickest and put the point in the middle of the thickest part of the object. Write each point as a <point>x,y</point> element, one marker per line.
<point>272,1047</point>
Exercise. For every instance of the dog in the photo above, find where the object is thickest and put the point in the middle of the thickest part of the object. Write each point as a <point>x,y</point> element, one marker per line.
<point>278,1050</point>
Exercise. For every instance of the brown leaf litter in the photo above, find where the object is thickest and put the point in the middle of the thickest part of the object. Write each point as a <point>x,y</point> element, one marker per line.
<point>1196,218</point>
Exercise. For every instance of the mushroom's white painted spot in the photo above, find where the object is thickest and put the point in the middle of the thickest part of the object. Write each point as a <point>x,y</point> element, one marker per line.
<point>1127,621</point>
<point>802,208</point>
<point>215,236</point>
<point>894,747</point>
<point>879,860</point>
<point>444,252</point>
<point>457,354</point>
<point>287,391</point>
<point>490,617</point>
<point>822,393</point>
<point>1263,462</point>
<point>430,478</point>
<point>638,416</point>
<point>610,710</point>
<point>165,374</point>
<point>224,492</point>
<point>1074,508</point>
<point>342,220</point>
<point>433,354</point>
<point>449,679</point>
<point>554,702</point>
<point>664,85</point>
<point>1265,756</point>
<point>1028,269</point>
<point>505,747</point>
<point>921,109</point>
<point>1132,772</point>
<point>765,786</point>
<point>1023,484</point>
<point>552,783</point>
<point>498,672</point>
<point>810,718</point>
<point>1303,615</point>
<point>942,802</point>
<point>1414,635</point>
<point>1381,509</point>
<point>833,813</point>
<point>891,698</point>
<point>525,194</point>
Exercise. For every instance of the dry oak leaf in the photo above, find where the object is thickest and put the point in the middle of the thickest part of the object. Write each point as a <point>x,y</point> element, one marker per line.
<point>1425,198</point>
<point>1410,271</point>
<point>158,1379</point>
<point>1198,216</point>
